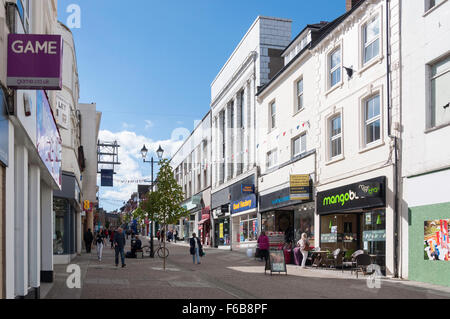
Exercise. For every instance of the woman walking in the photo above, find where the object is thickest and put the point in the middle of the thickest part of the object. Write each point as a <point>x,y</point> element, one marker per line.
<point>304,248</point>
<point>263,246</point>
<point>196,248</point>
<point>100,241</point>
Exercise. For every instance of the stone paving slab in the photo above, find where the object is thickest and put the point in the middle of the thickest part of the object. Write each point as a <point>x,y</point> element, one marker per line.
<point>221,275</point>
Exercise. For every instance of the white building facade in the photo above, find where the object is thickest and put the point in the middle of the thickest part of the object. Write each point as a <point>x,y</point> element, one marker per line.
<point>285,144</point>
<point>31,171</point>
<point>67,201</point>
<point>192,169</point>
<point>357,103</point>
<point>255,60</point>
<point>90,127</point>
<point>426,130</point>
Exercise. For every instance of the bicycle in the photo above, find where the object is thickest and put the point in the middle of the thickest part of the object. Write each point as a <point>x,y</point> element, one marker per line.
<point>161,251</point>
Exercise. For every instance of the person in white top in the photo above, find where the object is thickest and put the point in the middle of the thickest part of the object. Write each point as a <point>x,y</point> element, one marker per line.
<point>304,248</point>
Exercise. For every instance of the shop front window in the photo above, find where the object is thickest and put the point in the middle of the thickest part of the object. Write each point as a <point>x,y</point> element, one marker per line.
<point>374,235</point>
<point>279,221</point>
<point>59,235</point>
<point>304,223</point>
<point>356,231</point>
<point>222,232</point>
<point>248,228</point>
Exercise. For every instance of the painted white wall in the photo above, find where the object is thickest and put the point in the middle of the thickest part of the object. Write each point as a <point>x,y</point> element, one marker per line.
<point>425,38</point>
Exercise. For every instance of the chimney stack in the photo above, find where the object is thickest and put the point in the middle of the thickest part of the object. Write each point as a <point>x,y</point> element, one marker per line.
<point>349,4</point>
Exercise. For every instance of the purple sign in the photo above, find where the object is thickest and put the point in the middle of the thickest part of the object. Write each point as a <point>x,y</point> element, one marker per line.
<point>35,61</point>
<point>48,138</point>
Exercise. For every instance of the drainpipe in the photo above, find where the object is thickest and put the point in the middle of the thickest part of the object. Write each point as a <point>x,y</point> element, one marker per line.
<point>388,85</point>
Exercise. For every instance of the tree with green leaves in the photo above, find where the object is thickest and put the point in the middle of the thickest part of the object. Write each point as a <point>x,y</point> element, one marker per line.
<point>165,202</point>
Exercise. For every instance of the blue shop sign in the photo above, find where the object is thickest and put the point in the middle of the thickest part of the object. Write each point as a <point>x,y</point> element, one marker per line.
<point>244,204</point>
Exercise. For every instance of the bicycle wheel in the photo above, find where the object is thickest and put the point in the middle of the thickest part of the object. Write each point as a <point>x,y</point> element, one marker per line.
<point>163,252</point>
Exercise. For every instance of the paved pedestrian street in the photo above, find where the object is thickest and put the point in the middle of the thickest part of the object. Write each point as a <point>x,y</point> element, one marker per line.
<point>221,275</point>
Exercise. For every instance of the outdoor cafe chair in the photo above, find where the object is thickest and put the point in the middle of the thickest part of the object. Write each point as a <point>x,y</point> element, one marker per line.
<point>362,261</point>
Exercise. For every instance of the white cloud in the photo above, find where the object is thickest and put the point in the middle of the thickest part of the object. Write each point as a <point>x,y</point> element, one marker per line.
<point>148,124</point>
<point>132,166</point>
<point>126,126</point>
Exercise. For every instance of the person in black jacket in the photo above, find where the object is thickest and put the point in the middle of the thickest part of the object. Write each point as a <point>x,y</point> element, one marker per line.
<point>196,249</point>
<point>119,245</point>
<point>88,239</point>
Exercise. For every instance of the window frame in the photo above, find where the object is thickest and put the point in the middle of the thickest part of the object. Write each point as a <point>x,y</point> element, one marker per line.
<point>272,115</point>
<point>330,138</point>
<point>272,152</point>
<point>364,43</point>
<point>370,121</point>
<point>336,68</point>
<point>299,137</point>
<point>428,8</point>
<point>431,109</point>
<point>299,106</point>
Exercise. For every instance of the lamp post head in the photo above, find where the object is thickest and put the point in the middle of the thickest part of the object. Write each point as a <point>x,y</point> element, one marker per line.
<point>160,152</point>
<point>144,152</point>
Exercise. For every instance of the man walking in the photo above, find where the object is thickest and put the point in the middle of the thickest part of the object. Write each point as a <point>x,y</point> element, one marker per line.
<point>119,245</point>
<point>88,238</point>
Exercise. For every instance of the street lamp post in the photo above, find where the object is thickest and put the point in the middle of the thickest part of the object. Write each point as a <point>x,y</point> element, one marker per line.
<point>160,153</point>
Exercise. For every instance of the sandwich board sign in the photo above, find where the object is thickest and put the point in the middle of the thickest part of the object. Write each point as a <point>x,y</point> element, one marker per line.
<point>276,262</point>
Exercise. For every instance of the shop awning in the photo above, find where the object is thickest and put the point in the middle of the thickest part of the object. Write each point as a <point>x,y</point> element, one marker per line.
<point>203,221</point>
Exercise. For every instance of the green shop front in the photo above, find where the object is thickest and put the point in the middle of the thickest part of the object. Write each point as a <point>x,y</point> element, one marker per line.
<point>427,198</point>
<point>353,217</point>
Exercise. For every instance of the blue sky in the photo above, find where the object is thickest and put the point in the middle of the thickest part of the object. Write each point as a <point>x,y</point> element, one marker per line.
<point>148,65</point>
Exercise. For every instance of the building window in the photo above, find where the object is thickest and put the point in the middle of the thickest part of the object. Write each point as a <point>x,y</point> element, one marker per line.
<point>371,38</point>
<point>299,89</point>
<point>241,109</point>
<point>440,93</point>
<point>299,145</point>
<point>271,158</point>
<point>372,119</point>
<point>336,136</point>
<point>272,118</point>
<point>248,228</point>
<point>335,67</point>
<point>430,4</point>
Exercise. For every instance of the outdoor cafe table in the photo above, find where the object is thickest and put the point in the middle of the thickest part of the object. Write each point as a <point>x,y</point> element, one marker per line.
<point>317,256</point>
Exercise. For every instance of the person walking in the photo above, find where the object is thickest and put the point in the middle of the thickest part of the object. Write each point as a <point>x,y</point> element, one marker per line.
<point>111,238</point>
<point>88,238</point>
<point>119,245</point>
<point>304,248</point>
<point>196,249</point>
<point>158,234</point>
<point>100,242</point>
<point>263,246</point>
<point>175,235</point>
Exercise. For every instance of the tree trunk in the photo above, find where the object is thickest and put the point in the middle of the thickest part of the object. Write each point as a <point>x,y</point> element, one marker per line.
<point>164,246</point>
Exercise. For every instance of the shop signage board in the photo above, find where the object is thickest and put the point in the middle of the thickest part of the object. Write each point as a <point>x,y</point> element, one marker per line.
<point>247,189</point>
<point>374,235</point>
<point>248,202</point>
<point>107,178</point>
<point>35,61</point>
<point>221,230</point>
<point>436,240</point>
<point>300,187</point>
<point>362,195</point>
<point>277,262</point>
<point>48,139</point>
<point>4,129</point>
